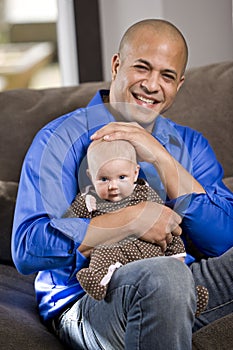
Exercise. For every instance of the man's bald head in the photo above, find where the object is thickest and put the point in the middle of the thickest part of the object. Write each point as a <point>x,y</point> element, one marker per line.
<point>160,27</point>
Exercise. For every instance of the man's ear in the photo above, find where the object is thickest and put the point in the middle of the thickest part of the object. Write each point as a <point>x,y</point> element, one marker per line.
<point>115,65</point>
<point>181,82</point>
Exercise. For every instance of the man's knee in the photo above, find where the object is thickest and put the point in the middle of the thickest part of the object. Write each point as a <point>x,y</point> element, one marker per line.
<point>164,273</point>
<point>168,274</point>
<point>163,284</point>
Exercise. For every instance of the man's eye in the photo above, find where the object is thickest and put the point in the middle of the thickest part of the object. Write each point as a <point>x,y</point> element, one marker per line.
<point>169,76</point>
<point>140,67</point>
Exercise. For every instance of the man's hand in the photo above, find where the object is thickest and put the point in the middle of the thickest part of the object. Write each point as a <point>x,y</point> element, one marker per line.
<point>143,142</point>
<point>157,223</point>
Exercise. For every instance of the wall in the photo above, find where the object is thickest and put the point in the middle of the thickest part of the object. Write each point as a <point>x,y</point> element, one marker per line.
<point>206,25</point>
<point>115,17</point>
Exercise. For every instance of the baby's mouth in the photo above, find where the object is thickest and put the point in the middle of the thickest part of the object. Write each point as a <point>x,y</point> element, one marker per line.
<point>113,195</point>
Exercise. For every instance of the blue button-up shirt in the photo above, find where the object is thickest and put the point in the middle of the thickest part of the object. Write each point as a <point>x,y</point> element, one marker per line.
<point>54,171</point>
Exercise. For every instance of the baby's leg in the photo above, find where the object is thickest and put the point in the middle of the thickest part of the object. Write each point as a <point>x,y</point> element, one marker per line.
<point>104,261</point>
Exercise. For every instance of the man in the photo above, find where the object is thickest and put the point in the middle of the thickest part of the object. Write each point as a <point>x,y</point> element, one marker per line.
<point>143,308</point>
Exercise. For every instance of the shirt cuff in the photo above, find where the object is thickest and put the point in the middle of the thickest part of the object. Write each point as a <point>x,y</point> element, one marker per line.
<point>74,228</point>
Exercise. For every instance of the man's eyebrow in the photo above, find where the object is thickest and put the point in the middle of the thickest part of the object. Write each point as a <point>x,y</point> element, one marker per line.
<point>170,71</point>
<point>141,60</point>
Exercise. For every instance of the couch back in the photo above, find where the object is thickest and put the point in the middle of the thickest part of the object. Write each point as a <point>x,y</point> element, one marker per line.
<point>204,103</point>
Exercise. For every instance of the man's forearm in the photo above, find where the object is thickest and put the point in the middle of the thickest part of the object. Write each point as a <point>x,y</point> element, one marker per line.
<point>175,177</point>
<point>109,228</point>
<point>150,221</point>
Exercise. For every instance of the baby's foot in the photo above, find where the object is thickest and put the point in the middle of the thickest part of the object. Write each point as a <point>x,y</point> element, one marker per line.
<point>202,299</point>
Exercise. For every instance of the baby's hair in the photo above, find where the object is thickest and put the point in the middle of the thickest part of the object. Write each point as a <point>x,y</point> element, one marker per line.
<point>100,152</point>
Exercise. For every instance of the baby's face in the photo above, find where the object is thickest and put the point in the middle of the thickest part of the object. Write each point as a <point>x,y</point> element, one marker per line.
<point>115,179</point>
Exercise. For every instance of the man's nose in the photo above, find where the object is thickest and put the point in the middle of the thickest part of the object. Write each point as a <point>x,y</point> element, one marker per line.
<point>151,83</point>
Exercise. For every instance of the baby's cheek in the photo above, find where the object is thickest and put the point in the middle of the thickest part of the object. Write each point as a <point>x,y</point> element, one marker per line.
<point>102,193</point>
<point>126,189</point>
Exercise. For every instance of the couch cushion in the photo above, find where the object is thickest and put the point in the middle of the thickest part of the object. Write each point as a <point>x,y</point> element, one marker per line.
<point>8,191</point>
<point>216,336</point>
<point>228,181</point>
<point>20,327</point>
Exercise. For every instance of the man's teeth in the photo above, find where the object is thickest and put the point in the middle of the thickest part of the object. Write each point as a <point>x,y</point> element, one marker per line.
<point>143,99</point>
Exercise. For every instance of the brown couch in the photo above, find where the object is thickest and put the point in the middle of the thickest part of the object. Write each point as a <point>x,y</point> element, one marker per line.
<point>205,103</point>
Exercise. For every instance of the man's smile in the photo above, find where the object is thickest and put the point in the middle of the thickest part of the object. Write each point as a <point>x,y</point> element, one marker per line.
<point>146,100</point>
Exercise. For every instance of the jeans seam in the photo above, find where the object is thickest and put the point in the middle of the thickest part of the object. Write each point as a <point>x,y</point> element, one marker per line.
<point>217,307</point>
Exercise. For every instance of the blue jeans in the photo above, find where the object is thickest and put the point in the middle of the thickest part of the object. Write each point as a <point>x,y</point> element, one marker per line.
<point>150,305</point>
<point>217,275</point>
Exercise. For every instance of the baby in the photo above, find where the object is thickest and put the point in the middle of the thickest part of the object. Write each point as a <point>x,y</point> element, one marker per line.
<point>113,171</point>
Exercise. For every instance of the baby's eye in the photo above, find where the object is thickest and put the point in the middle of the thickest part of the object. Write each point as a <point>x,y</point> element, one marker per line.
<point>122,177</point>
<point>104,179</point>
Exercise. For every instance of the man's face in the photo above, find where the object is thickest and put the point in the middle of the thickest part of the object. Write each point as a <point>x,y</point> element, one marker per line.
<point>115,179</point>
<point>146,77</point>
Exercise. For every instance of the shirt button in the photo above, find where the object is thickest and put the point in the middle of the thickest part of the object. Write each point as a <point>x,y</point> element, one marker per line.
<point>70,251</point>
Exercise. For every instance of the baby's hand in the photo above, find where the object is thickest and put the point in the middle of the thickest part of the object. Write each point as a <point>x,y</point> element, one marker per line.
<point>90,203</point>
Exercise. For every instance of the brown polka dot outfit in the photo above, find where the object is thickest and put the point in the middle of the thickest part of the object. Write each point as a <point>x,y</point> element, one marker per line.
<point>142,192</point>
<point>105,257</point>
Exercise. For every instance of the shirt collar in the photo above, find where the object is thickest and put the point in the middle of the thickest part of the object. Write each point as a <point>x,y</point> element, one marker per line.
<point>97,113</point>
<point>98,98</point>
<point>165,131</point>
